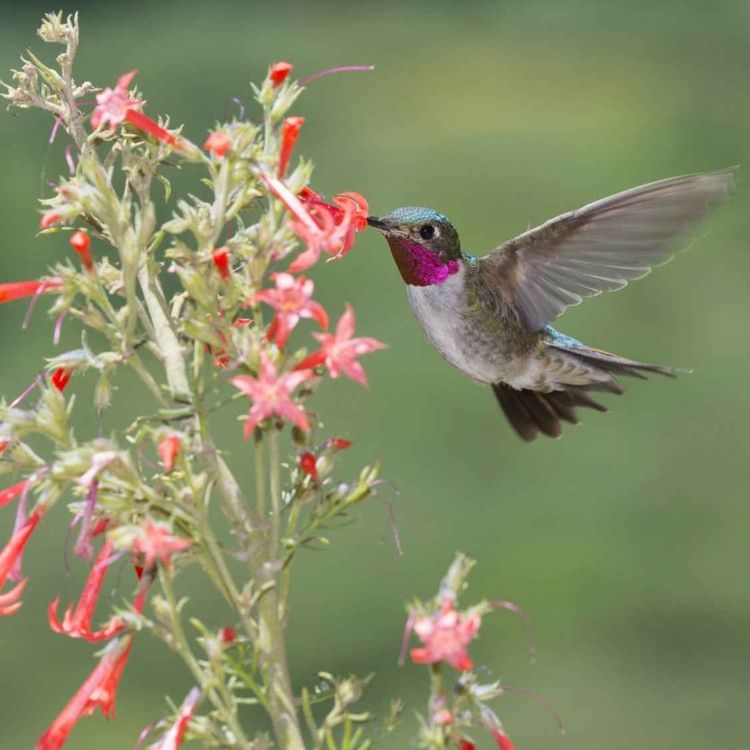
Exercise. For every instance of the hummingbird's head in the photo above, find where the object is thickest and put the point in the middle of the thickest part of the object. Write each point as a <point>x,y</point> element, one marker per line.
<point>424,244</point>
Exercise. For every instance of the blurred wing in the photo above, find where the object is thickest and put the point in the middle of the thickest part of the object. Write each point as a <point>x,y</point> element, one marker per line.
<point>601,246</point>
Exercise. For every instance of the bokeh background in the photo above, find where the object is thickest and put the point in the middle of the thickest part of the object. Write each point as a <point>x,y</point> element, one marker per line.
<point>626,541</point>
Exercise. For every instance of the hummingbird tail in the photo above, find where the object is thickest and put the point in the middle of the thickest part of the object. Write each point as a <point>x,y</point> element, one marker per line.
<point>531,412</point>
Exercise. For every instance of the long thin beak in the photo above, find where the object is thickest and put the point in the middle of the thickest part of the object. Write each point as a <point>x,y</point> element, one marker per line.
<point>377,223</point>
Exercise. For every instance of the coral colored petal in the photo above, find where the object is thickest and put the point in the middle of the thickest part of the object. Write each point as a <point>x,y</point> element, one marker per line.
<point>319,314</point>
<point>147,125</point>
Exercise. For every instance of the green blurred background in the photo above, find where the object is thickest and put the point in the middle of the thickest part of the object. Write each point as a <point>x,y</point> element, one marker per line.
<point>626,540</point>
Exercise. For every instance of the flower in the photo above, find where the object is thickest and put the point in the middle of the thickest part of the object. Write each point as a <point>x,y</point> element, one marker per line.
<point>503,741</point>
<point>60,378</point>
<point>172,740</point>
<point>113,105</point>
<point>228,635</point>
<point>339,443</point>
<point>443,717</point>
<point>290,130</point>
<point>13,290</point>
<point>49,219</point>
<point>221,261</point>
<point>9,557</point>
<point>445,636</point>
<point>218,143</point>
<point>156,542</point>
<point>308,464</point>
<point>77,620</point>
<point>339,351</point>
<point>11,493</point>
<point>278,73</point>
<point>99,462</point>
<point>97,691</point>
<point>466,744</point>
<point>169,448</point>
<point>271,394</point>
<point>292,300</point>
<point>323,227</point>
<point>81,243</point>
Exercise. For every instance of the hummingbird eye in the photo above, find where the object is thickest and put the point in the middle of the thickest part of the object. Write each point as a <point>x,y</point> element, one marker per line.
<point>427,231</point>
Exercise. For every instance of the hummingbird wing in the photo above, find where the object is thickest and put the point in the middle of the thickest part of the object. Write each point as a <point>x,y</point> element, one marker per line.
<point>601,246</point>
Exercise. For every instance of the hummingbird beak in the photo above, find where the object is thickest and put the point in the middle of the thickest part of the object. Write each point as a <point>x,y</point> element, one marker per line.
<point>377,223</point>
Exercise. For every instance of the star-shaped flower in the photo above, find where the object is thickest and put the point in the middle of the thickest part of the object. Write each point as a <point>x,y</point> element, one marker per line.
<point>113,104</point>
<point>271,394</point>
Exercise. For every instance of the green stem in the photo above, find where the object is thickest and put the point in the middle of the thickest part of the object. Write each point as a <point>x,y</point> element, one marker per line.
<point>276,509</point>
<point>260,476</point>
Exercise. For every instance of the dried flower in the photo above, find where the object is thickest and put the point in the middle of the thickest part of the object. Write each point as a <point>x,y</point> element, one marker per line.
<point>77,620</point>
<point>13,290</point>
<point>278,73</point>
<point>169,448</point>
<point>61,377</point>
<point>290,130</point>
<point>221,261</point>
<point>156,542</point>
<point>97,691</point>
<point>172,740</point>
<point>113,105</point>
<point>11,493</point>
<point>218,143</point>
<point>81,243</point>
<point>271,394</point>
<point>308,464</point>
<point>339,351</point>
<point>292,300</point>
<point>445,636</point>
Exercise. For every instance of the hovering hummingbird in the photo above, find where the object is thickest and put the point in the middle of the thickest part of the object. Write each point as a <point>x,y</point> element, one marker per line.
<point>490,317</point>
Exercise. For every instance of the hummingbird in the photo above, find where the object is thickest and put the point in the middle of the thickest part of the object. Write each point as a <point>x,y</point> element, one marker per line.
<point>490,317</point>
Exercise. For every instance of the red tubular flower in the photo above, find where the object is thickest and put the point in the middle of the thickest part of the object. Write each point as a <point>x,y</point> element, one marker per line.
<point>13,290</point>
<point>445,637</point>
<point>308,464</point>
<point>77,620</point>
<point>169,449</point>
<point>339,443</point>
<point>97,691</point>
<point>271,394</point>
<point>61,377</point>
<point>156,542</point>
<point>147,125</point>
<point>503,741</point>
<point>290,130</point>
<point>227,635</point>
<point>221,261</point>
<point>10,602</point>
<point>11,493</point>
<point>9,556</point>
<point>278,73</point>
<point>466,744</point>
<point>81,243</point>
<point>218,143</point>
<point>172,740</point>
<point>292,300</point>
<point>339,351</point>
<point>49,219</point>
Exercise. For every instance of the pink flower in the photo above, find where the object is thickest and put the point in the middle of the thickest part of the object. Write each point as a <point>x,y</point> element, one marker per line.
<point>323,227</point>
<point>218,143</point>
<point>61,377</point>
<point>172,740</point>
<point>11,493</point>
<point>113,105</point>
<point>9,557</point>
<point>278,73</point>
<point>339,351</point>
<point>445,636</point>
<point>97,691</point>
<point>443,717</point>
<point>77,620</point>
<point>81,243</point>
<point>290,130</point>
<point>156,542</point>
<point>292,300</point>
<point>169,449</point>
<point>13,290</point>
<point>271,394</point>
<point>220,258</point>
